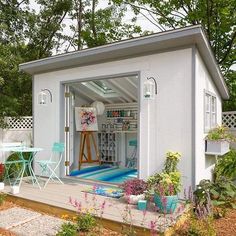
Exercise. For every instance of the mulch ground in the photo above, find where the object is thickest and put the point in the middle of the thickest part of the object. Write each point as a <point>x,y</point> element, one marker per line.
<point>226,226</point>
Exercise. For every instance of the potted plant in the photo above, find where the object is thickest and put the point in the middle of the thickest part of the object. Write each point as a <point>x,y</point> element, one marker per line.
<point>134,190</point>
<point>166,190</point>
<point>218,140</point>
<point>166,185</point>
<point>1,176</point>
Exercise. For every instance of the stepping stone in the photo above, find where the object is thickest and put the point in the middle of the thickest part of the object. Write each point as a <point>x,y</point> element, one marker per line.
<point>16,216</point>
<point>41,226</point>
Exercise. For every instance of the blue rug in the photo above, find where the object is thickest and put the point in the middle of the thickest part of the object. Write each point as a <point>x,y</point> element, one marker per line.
<point>105,191</point>
<point>88,170</point>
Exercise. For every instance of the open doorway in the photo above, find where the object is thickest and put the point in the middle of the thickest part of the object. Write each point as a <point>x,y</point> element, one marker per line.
<point>114,152</point>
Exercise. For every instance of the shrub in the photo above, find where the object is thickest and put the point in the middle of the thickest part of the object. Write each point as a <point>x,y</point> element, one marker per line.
<point>86,222</point>
<point>134,186</point>
<point>201,227</point>
<point>67,229</point>
<point>2,198</point>
<point>226,166</point>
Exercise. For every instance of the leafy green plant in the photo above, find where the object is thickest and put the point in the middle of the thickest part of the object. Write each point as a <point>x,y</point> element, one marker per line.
<point>172,160</point>
<point>14,169</point>
<point>220,133</point>
<point>2,198</point>
<point>226,166</point>
<point>86,222</point>
<point>168,182</point>
<point>67,229</point>
<point>223,193</point>
<point>201,227</point>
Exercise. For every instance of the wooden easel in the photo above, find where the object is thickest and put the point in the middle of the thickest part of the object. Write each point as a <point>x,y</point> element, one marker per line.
<point>85,143</point>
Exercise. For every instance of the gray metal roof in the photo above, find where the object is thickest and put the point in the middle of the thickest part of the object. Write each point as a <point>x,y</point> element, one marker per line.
<point>192,35</point>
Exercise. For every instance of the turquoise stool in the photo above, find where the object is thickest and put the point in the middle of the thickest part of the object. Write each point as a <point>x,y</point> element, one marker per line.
<point>132,160</point>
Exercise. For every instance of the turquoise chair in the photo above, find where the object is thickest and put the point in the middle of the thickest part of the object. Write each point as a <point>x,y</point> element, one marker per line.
<point>131,162</point>
<point>51,165</point>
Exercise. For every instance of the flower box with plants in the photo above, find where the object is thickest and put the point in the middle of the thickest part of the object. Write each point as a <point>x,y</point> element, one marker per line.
<point>218,140</point>
<point>134,190</point>
<point>166,185</point>
<point>1,176</point>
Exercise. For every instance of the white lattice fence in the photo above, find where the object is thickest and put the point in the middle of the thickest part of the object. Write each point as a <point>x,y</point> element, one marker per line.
<point>22,123</point>
<point>229,119</point>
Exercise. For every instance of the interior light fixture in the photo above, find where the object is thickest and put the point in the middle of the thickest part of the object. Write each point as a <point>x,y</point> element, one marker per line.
<point>43,96</point>
<point>150,88</point>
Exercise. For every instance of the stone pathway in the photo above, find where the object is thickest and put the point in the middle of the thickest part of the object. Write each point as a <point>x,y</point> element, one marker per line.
<point>25,222</point>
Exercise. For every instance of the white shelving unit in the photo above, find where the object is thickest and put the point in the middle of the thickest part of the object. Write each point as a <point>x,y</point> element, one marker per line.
<point>107,142</point>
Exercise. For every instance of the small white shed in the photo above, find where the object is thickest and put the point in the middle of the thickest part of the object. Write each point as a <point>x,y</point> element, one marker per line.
<point>190,89</point>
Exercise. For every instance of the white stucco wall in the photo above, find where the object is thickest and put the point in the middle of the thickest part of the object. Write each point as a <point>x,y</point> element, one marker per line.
<point>203,164</point>
<point>165,123</point>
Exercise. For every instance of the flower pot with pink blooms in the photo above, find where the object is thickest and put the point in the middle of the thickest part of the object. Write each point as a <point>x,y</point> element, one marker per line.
<point>134,190</point>
<point>167,184</point>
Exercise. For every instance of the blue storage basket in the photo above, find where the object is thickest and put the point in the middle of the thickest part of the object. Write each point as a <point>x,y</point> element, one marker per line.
<point>133,142</point>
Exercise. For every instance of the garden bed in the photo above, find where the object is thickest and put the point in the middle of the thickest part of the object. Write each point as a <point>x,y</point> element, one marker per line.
<point>98,230</point>
<point>223,226</point>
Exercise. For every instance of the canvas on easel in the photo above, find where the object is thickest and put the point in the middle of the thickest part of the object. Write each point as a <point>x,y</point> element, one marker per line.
<point>86,123</point>
<point>86,119</point>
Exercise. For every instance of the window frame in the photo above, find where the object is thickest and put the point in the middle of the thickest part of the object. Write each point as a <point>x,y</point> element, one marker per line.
<point>212,112</point>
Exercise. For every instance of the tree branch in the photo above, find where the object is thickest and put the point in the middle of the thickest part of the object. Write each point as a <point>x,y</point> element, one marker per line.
<point>230,43</point>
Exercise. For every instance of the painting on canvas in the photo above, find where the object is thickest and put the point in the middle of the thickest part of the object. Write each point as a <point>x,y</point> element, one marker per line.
<point>86,119</point>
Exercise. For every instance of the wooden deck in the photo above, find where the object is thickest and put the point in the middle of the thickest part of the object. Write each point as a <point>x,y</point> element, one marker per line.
<point>54,199</point>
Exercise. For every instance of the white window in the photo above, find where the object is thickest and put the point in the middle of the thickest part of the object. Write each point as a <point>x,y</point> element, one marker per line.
<point>210,111</point>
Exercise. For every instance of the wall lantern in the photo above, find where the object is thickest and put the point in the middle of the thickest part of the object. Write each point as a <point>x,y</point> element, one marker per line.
<point>43,96</point>
<point>149,88</point>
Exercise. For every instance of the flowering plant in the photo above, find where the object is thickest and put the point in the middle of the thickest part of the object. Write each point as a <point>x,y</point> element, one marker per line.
<point>168,184</point>
<point>134,186</point>
<point>1,172</point>
<point>220,133</point>
<point>172,159</point>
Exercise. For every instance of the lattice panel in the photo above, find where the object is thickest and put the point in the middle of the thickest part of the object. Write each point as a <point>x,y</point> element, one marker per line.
<point>229,119</point>
<point>22,123</point>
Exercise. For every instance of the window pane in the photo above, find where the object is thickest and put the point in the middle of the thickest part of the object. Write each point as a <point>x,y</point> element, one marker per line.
<point>213,120</point>
<point>213,104</point>
<point>207,120</point>
<point>207,102</point>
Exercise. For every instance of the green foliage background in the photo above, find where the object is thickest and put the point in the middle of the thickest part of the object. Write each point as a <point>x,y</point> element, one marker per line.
<point>28,34</point>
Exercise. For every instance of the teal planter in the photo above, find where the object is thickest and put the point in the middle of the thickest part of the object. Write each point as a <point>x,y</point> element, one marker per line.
<point>166,204</point>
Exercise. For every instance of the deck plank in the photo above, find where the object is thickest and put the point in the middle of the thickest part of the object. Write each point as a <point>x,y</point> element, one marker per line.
<point>57,195</point>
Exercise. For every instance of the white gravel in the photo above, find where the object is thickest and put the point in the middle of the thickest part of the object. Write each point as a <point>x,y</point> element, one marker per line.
<point>29,223</point>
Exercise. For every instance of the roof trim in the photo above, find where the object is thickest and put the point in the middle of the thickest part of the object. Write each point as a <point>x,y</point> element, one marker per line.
<point>191,35</point>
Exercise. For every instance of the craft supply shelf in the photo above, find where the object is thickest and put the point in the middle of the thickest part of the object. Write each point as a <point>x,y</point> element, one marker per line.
<point>107,142</point>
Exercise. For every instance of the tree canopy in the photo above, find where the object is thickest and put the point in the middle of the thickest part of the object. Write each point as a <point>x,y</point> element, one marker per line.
<point>63,25</point>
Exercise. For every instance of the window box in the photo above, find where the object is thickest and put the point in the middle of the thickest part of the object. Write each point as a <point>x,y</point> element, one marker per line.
<point>219,147</point>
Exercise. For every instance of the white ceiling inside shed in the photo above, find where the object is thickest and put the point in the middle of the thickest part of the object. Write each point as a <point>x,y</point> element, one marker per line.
<point>115,90</point>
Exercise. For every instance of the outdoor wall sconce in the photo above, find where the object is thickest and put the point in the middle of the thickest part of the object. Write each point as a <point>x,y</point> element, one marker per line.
<point>149,88</point>
<point>43,96</point>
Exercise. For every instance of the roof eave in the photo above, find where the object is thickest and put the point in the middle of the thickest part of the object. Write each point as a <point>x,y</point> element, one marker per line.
<point>193,35</point>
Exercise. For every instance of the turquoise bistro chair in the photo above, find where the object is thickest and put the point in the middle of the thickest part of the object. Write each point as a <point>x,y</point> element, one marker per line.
<point>51,165</point>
